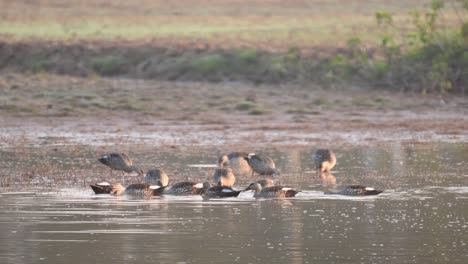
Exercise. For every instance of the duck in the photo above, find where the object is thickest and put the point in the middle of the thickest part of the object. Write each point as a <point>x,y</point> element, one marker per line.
<point>185,188</point>
<point>224,177</point>
<point>262,164</point>
<point>266,182</point>
<point>236,162</point>
<point>356,190</point>
<point>324,160</point>
<point>218,191</point>
<point>120,162</point>
<point>153,177</point>
<point>271,192</point>
<point>101,188</point>
<point>156,177</point>
<point>137,189</point>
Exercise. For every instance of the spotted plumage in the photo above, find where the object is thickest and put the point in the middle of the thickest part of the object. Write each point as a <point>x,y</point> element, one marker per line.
<point>271,192</point>
<point>356,190</point>
<point>156,177</point>
<point>262,164</point>
<point>137,189</point>
<point>185,188</point>
<point>236,161</point>
<point>224,177</point>
<point>120,162</point>
<point>324,160</point>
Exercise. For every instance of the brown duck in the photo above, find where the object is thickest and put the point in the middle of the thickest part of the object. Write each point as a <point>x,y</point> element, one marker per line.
<point>224,177</point>
<point>185,188</point>
<point>271,192</point>
<point>262,164</point>
<point>218,191</point>
<point>324,160</point>
<point>236,161</point>
<point>120,162</point>
<point>153,177</point>
<point>137,189</point>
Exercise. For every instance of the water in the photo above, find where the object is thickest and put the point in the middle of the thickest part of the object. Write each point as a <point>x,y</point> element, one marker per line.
<point>422,217</point>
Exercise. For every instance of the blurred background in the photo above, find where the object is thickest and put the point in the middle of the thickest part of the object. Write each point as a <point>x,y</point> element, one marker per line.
<point>416,45</point>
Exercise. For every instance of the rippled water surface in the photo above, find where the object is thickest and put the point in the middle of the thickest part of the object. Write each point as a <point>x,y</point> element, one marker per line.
<point>422,217</point>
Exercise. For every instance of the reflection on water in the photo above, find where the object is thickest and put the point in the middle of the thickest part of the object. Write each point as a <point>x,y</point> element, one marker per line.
<point>421,217</point>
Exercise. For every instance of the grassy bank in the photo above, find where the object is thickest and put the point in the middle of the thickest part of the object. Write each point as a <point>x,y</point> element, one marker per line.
<point>329,44</point>
<point>150,62</point>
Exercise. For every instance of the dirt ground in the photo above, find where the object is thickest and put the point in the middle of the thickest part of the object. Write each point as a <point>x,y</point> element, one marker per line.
<point>72,110</point>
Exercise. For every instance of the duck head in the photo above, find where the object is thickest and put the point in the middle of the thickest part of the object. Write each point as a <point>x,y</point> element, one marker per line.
<point>117,189</point>
<point>223,161</point>
<point>255,186</point>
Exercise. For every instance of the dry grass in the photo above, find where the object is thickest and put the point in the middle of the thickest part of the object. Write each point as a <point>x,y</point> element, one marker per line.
<point>273,25</point>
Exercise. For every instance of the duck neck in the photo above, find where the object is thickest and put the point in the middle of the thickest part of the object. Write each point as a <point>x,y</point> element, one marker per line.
<point>258,188</point>
<point>118,189</point>
<point>222,161</point>
<point>136,169</point>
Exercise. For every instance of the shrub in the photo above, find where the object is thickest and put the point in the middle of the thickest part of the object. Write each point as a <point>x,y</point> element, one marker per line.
<point>424,60</point>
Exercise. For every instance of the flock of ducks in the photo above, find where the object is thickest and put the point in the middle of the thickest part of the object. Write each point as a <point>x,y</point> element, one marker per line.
<point>156,181</point>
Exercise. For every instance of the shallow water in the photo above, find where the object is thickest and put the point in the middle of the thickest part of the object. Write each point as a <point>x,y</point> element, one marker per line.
<point>422,216</point>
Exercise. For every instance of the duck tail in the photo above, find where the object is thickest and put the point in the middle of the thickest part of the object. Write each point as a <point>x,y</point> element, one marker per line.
<point>159,191</point>
<point>100,189</point>
<point>103,160</point>
<point>373,192</point>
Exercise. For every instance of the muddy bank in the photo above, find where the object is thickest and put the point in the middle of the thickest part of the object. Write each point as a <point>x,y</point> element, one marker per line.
<point>100,111</point>
<point>53,127</point>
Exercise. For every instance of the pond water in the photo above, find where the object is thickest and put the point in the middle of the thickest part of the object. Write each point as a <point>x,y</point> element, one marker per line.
<point>421,217</point>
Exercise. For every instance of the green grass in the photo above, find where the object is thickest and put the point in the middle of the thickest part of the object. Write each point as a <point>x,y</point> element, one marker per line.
<point>246,106</point>
<point>108,65</point>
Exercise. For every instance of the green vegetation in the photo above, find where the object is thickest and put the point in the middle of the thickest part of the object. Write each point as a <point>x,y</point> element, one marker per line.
<point>245,106</point>
<point>38,65</point>
<point>259,111</point>
<point>426,59</point>
<point>108,65</point>
<point>426,55</point>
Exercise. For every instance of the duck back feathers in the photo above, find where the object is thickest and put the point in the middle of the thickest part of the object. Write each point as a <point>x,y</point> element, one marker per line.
<point>262,164</point>
<point>218,192</point>
<point>271,192</point>
<point>137,189</point>
<point>185,188</point>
